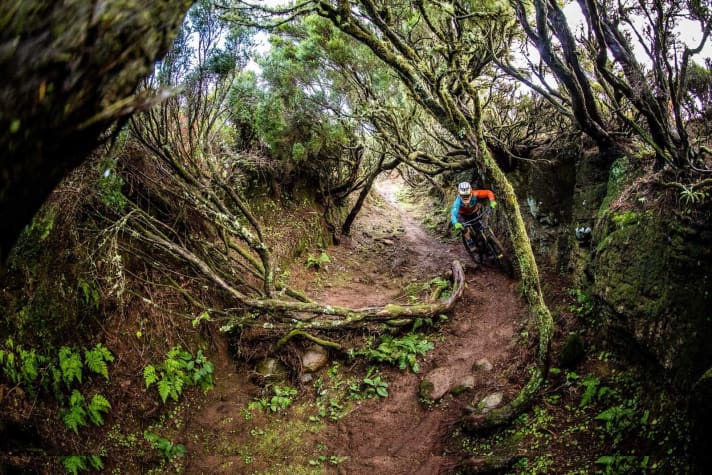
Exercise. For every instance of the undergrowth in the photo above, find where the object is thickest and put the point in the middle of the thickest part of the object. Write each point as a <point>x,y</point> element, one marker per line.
<point>602,420</point>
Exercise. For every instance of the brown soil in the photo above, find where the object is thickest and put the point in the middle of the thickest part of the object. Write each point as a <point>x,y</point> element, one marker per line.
<point>399,434</point>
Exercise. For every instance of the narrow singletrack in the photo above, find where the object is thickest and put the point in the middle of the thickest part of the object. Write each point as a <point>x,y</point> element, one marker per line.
<point>399,435</point>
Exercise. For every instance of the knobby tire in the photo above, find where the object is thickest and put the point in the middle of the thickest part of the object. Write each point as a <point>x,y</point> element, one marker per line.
<point>498,252</point>
<point>474,251</point>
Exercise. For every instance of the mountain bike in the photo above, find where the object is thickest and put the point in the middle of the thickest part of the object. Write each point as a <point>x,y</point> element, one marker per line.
<point>484,247</point>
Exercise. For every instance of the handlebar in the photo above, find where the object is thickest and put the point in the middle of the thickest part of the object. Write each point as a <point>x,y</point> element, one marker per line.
<point>483,212</point>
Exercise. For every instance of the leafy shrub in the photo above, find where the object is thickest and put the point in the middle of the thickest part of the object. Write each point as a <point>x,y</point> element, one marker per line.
<point>281,399</point>
<point>110,184</point>
<point>401,352</point>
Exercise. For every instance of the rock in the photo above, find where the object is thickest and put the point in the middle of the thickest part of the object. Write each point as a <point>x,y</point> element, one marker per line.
<point>314,358</point>
<point>467,383</point>
<point>270,370</point>
<point>435,384</point>
<point>490,402</point>
<point>483,365</point>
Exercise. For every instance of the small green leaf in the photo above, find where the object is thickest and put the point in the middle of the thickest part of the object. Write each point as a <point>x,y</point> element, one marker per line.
<point>149,375</point>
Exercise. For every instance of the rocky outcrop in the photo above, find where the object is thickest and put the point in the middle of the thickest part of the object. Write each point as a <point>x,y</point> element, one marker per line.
<point>651,274</point>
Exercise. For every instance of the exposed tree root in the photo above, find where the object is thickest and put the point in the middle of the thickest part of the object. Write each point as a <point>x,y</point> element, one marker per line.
<point>301,316</point>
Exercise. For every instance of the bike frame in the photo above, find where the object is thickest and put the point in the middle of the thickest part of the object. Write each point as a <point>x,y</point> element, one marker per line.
<point>477,224</point>
<point>486,243</point>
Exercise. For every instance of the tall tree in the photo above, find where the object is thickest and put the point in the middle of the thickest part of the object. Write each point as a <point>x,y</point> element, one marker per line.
<point>640,64</point>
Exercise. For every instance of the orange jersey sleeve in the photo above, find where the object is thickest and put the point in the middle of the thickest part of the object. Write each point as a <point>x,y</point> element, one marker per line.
<point>484,195</point>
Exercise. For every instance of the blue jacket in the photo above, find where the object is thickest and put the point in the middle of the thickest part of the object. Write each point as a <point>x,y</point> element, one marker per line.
<point>460,209</point>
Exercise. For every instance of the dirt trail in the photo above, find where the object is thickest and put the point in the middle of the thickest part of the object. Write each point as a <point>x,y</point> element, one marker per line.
<point>397,435</point>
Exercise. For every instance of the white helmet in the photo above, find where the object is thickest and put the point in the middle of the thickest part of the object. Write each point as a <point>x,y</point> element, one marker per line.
<point>464,189</point>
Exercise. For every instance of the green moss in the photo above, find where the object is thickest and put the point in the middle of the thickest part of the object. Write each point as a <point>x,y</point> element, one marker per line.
<point>626,218</point>
<point>620,174</point>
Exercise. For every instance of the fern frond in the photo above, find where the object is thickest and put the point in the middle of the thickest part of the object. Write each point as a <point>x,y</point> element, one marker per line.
<point>74,418</point>
<point>165,389</point>
<point>71,366</point>
<point>149,375</point>
<point>76,399</point>
<point>74,464</point>
<point>105,352</point>
<point>95,362</point>
<point>97,406</point>
<point>96,462</point>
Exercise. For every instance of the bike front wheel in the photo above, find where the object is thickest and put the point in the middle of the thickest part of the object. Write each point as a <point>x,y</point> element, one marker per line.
<point>476,252</point>
<point>500,255</point>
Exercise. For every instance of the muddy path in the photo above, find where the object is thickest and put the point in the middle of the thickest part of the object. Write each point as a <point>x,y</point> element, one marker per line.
<point>389,248</point>
<point>400,435</point>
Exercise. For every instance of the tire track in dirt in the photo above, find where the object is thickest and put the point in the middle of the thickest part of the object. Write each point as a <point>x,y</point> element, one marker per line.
<point>399,435</point>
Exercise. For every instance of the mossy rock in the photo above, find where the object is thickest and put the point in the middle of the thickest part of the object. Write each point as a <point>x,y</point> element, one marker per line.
<point>269,370</point>
<point>651,273</point>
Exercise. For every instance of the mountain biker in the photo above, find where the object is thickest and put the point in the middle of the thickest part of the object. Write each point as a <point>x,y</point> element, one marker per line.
<point>466,204</point>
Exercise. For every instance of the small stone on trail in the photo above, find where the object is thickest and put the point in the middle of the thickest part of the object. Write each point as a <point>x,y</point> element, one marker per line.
<point>314,358</point>
<point>483,365</point>
<point>435,384</point>
<point>490,402</point>
<point>467,383</point>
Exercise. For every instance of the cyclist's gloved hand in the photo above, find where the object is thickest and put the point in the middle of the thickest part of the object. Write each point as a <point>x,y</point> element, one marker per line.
<point>458,226</point>
<point>493,204</point>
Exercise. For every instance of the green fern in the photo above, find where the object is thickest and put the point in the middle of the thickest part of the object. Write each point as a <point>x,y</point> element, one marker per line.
<point>76,416</point>
<point>74,464</point>
<point>165,388</point>
<point>149,375</point>
<point>96,462</point>
<point>177,371</point>
<point>78,412</point>
<point>98,405</point>
<point>96,360</point>
<point>71,365</point>
<point>30,365</point>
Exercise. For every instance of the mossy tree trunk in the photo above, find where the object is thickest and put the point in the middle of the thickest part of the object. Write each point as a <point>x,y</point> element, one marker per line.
<point>530,286</point>
<point>69,72</point>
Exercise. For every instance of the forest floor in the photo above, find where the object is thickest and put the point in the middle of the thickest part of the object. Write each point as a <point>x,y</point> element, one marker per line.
<point>325,431</point>
<point>358,415</point>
